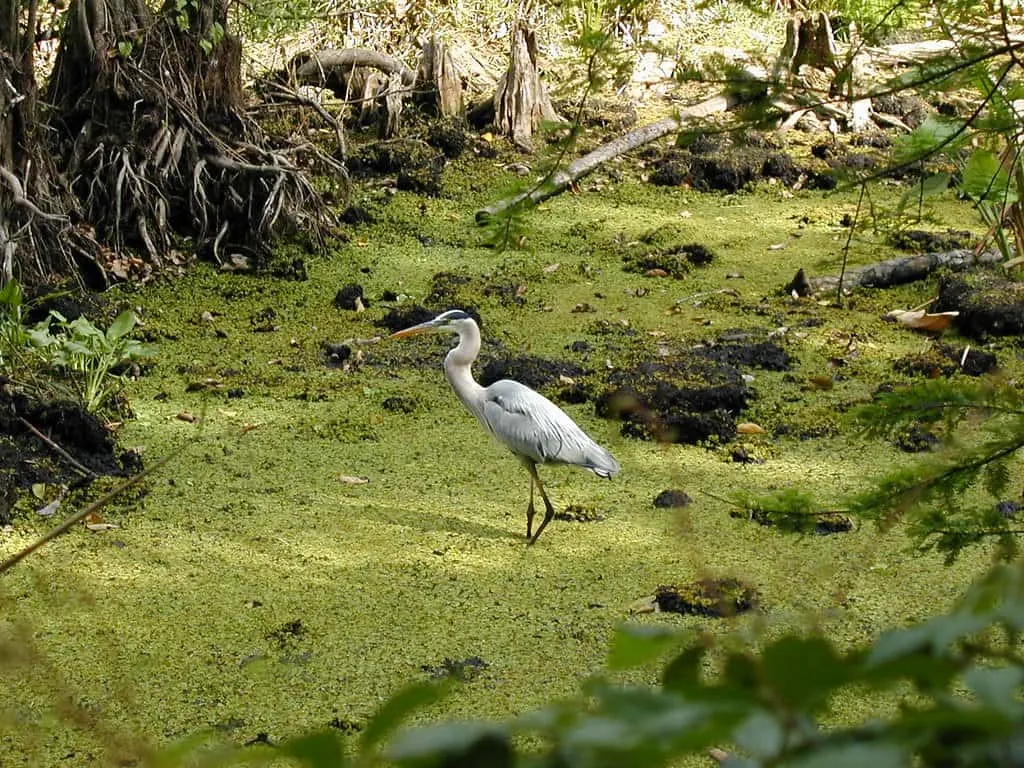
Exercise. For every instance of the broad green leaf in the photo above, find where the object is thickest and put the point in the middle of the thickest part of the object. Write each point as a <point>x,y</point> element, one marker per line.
<point>997,687</point>
<point>931,136</point>
<point>761,735</point>
<point>985,179</point>
<point>122,325</point>
<point>397,708</point>
<point>11,295</point>
<point>853,755</point>
<point>453,743</point>
<point>935,184</point>
<point>803,672</point>
<point>683,673</point>
<point>320,749</point>
<point>636,644</point>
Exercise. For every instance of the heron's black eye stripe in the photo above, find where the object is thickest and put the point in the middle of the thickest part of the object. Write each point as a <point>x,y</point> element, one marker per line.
<point>455,314</point>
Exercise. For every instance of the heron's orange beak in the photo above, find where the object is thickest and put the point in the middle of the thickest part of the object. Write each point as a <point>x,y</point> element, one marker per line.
<point>427,326</point>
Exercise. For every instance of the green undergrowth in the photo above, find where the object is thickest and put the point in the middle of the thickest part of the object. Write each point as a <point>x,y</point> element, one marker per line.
<point>257,589</point>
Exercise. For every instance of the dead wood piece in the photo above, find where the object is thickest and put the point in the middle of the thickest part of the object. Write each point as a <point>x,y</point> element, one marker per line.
<point>316,68</point>
<point>437,68</point>
<point>521,101</point>
<point>560,180</point>
<point>886,274</point>
<point>391,123</point>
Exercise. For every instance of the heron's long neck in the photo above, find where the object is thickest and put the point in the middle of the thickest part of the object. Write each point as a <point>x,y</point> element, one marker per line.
<point>458,370</point>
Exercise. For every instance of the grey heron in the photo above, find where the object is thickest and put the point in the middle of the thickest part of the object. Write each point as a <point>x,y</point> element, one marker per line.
<point>536,430</point>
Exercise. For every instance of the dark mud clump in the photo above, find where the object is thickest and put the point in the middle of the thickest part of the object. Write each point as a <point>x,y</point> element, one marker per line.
<point>917,439</point>
<point>355,215</point>
<point>400,318</point>
<point>727,169</point>
<point>672,499</point>
<point>399,404</point>
<point>535,372</point>
<point>675,261</point>
<point>25,459</point>
<point>922,241</point>
<point>989,305</point>
<point>288,633</point>
<point>715,598</point>
<point>335,354</point>
<point>579,513</point>
<point>908,107</point>
<point>418,166</point>
<point>449,136</point>
<point>351,297</point>
<point>67,424</point>
<point>734,349</point>
<point>821,523</point>
<point>463,670</point>
<point>945,360</point>
<point>683,400</point>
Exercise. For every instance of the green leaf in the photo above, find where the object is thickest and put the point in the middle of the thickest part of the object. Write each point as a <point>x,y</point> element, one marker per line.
<point>683,673</point>
<point>997,687</point>
<point>761,735</point>
<point>853,755</point>
<point>985,179</point>
<point>122,325</point>
<point>453,743</point>
<point>803,672</point>
<point>397,708</point>
<point>11,295</point>
<point>935,184</point>
<point>931,136</point>
<point>320,749</point>
<point>636,644</point>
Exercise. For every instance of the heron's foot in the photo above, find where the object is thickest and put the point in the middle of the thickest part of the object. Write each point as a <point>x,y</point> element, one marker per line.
<point>549,512</point>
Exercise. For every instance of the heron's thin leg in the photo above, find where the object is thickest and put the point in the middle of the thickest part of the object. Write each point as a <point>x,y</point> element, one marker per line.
<point>529,509</point>
<point>549,511</point>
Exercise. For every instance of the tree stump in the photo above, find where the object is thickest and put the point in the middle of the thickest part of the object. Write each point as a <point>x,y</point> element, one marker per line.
<point>440,78</point>
<point>521,101</point>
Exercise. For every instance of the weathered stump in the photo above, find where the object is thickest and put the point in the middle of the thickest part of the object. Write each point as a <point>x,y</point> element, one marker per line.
<point>521,101</point>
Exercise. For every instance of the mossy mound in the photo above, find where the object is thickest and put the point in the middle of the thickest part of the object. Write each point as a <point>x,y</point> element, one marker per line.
<point>418,165</point>
<point>822,523</point>
<point>945,360</point>
<point>989,305</point>
<point>923,241</point>
<point>728,170</point>
<point>683,400</point>
<point>579,513</point>
<point>716,598</point>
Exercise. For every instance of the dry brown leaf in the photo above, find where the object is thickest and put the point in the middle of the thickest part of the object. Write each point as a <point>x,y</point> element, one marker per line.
<point>186,416</point>
<point>552,267</point>
<point>920,320</point>
<point>349,480</point>
<point>248,427</point>
<point>656,273</point>
<point>750,428</point>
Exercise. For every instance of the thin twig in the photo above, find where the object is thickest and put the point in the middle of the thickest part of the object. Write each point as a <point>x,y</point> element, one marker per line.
<point>71,459</point>
<point>846,248</point>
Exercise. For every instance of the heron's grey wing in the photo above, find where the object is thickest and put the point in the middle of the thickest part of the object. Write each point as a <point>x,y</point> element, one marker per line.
<point>534,427</point>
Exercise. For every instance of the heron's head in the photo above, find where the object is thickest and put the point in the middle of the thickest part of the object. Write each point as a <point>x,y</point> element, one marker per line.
<point>452,321</point>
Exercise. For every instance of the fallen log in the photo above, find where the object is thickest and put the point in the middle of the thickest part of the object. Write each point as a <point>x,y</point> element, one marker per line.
<point>560,180</point>
<point>318,68</point>
<point>892,272</point>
